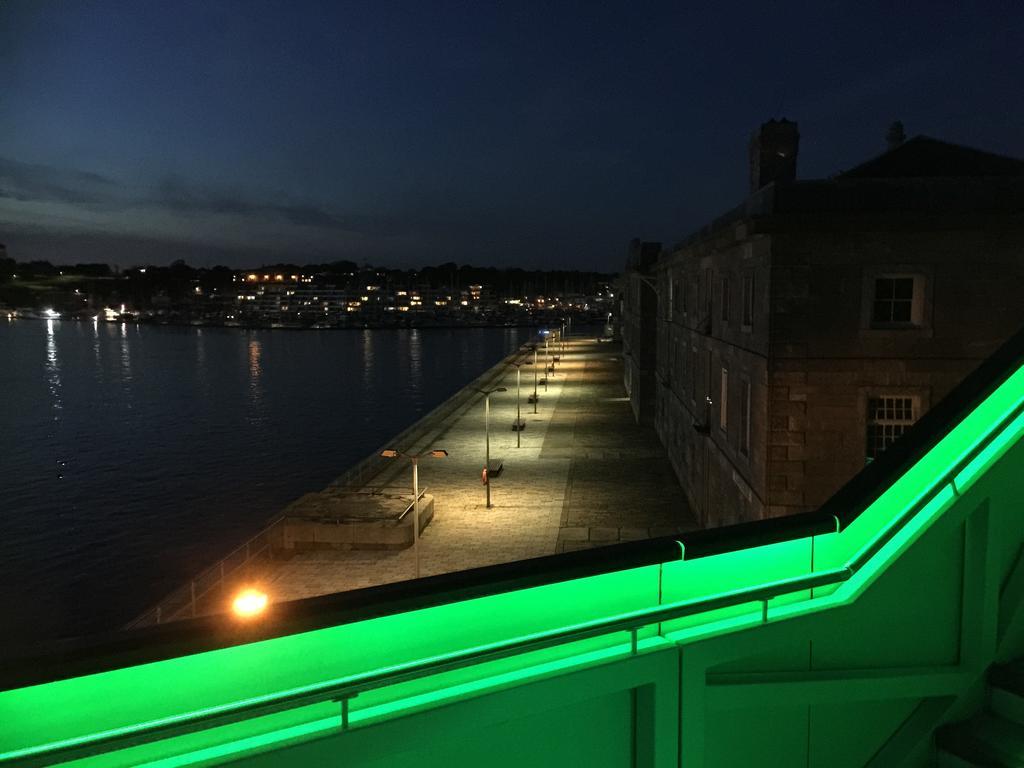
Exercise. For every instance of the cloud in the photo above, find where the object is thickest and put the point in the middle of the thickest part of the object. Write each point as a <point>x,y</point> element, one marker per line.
<point>177,194</point>
<point>174,207</point>
<point>47,211</point>
<point>53,208</point>
<point>31,182</point>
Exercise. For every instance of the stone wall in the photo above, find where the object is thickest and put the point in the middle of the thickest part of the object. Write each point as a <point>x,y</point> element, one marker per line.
<point>810,355</point>
<point>826,360</point>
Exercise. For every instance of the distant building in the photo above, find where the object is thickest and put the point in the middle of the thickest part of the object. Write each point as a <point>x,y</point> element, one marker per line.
<point>797,336</point>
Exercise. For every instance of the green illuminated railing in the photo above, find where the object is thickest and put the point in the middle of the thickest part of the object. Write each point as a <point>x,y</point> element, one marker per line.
<point>921,481</point>
<point>344,689</point>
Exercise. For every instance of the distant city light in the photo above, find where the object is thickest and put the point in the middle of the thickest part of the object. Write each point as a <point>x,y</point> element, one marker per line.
<point>249,603</point>
<point>51,313</point>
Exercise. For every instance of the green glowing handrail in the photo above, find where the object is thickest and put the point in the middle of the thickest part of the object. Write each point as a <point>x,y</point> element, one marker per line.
<point>352,685</point>
<point>995,440</point>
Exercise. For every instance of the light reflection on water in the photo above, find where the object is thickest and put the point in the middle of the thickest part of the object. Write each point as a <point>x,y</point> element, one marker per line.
<point>170,444</point>
<point>53,370</point>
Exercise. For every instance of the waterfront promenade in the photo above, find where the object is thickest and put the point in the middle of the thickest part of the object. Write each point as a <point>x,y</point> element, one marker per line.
<point>586,475</point>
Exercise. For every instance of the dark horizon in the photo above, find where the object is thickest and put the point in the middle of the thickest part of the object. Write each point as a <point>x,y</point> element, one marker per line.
<point>404,135</point>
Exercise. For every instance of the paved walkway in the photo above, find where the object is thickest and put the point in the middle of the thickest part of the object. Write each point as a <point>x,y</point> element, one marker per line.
<point>586,475</point>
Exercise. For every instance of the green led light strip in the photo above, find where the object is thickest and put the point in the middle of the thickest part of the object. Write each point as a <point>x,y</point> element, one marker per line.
<point>350,685</point>
<point>961,457</point>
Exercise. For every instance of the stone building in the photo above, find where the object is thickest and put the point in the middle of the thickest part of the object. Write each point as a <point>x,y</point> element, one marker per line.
<point>801,333</point>
<point>638,315</point>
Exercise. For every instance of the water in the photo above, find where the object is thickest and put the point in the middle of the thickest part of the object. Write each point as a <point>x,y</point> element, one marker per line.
<point>133,456</point>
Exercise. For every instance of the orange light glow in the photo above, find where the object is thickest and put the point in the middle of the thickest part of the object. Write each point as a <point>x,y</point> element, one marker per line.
<point>249,603</point>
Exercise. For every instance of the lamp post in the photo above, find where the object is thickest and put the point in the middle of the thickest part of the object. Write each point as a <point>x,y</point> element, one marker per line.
<point>436,453</point>
<point>518,426</point>
<point>534,397</point>
<point>487,436</point>
<point>547,335</point>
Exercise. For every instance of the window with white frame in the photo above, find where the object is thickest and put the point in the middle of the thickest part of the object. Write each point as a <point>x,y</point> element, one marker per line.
<point>723,401</point>
<point>888,417</point>
<point>897,300</point>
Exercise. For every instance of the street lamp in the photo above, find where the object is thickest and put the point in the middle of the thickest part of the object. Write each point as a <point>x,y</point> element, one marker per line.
<point>249,603</point>
<point>544,381</point>
<point>437,453</point>
<point>534,397</point>
<point>487,436</point>
<point>520,424</point>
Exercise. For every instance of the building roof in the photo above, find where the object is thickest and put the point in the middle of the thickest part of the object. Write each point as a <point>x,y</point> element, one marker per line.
<point>922,157</point>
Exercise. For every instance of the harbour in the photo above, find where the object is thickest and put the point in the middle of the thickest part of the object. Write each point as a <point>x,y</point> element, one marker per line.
<point>134,456</point>
<point>580,474</point>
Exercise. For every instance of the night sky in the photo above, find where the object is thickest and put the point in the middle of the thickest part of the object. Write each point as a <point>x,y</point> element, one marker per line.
<point>490,133</point>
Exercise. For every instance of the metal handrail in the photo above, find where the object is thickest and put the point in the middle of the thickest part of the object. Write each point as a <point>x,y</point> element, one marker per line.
<point>359,475</point>
<point>348,687</point>
<point>412,504</point>
<point>344,689</point>
<point>157,614</point>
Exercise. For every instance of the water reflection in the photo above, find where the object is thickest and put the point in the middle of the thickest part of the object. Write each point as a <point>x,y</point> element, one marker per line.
<point>416,366</point>
<point>255,381</point>
<point>200,351</point>
<point>53,370</point>
<point>96,348</point>
<point>367,360</point>
<point>126,363</point>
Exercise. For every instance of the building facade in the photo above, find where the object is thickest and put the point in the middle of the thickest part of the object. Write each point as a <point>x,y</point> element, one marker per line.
<point>799,335</point>
<point>638,314</point>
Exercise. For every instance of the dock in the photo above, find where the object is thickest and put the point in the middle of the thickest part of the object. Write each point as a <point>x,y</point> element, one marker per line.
<point>585,475</point>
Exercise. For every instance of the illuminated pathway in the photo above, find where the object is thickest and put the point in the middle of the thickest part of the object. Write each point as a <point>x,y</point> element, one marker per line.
<point>586,475</point>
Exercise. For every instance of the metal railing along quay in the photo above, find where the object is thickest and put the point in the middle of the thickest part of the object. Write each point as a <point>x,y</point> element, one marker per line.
<point>182,602</point>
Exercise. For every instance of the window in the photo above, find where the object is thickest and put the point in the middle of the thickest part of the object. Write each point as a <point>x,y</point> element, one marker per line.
<point>723,408</point>
<point>686,301</point>
<point>888,418</point>
<point>897,300</point>
<point>674,300</point>
<point>725,299</point>
<point>748,301</point>
<point>745,417</point>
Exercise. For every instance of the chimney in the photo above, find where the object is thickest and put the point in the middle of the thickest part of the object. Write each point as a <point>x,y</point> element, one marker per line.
<point>895,136</point>
<point>773,150</point>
